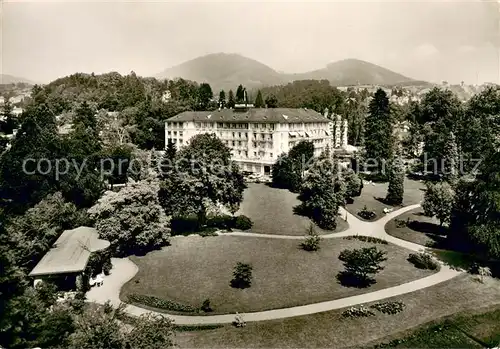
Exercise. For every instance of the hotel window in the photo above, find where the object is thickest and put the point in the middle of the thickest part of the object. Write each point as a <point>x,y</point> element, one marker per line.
<point>271,126</point>
<point>233,143</point>
<point>271,155</point>
<point>239,152</point>
<point>175,133</point>
<point>180,133</point>
<point>168,132</point>
<point>239,143</point>
<point>233,134</point>
<point>239,134</point>
<point>246,153</point>
<point>255,135</point>
<point>262,135</point>
<point>254,153</point>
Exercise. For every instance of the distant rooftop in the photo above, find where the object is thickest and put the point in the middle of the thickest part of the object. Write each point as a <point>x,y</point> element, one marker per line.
<point>252,115</point>
<point>70,253</point>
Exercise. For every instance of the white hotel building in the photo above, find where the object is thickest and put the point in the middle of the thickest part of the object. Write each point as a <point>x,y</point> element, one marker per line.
<point>256,136</point>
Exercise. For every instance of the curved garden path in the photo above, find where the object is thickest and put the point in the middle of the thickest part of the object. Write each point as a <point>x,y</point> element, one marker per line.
<point>124,270</point>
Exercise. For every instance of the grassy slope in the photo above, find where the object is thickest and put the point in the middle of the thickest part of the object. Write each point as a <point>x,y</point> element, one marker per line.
<point>195,268</point>
<point>330,330</point>
<point>271,211</point>
<point>370,193</point>
<point>424,231</point>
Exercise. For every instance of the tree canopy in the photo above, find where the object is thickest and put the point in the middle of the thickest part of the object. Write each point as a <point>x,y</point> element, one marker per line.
<point>203,175</point>
<point>131,219</point>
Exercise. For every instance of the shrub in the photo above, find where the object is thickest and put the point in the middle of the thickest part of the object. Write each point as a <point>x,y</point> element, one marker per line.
<point>243,222</point>
<point>359,264</point>
<point>206,306</point>
<point>184,225</point>
<point>423,261</point>
<point>208,232</point>
<point>106,267</point>
<point>221,222</point>
<point>159,303</point>
<point>242,276</point>
<point>360,311</point>
<point>78,303</point>
<point>401,223</point>
<point>482,273</point>
<point>389,307</point>
<point>366,214</point>
<point>311,243</point>
<point>370,239</point>
<point>79,284</point>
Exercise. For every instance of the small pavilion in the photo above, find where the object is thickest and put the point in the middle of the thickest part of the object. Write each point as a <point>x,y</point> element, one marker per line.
<point>68,257</point>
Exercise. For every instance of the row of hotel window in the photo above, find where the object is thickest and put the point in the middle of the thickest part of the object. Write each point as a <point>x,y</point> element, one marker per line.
<point>255,153</point>
<point>224,125</point>
<point>246,126</point>
<point>259,144</point>
<point>240,135</point>
<point>255,144</point>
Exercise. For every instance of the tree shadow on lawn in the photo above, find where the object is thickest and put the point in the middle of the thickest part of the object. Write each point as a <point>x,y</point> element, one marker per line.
<point>385,202</point>
<point>427,228</point>
<point>347,279</point>
<point>453,259</point>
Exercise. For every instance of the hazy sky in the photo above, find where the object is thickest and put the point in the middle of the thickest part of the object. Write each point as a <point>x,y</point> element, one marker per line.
<point>429,40</point>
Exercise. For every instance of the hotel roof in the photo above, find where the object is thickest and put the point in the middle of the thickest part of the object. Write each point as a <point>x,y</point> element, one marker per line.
<point>70,253</point>
<point>252,115</point>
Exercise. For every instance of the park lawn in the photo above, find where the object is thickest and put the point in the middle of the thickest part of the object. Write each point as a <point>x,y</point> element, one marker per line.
<point>331,330</point>
<point>193,269</point>
<point>271,211</point>
<point>421,229</point>
<point>373,194</point>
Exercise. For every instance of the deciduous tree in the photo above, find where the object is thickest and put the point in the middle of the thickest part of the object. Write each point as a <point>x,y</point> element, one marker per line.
<point>132,219</point>
<point>204,175</point>
<point>323,191</point>
<point>271,101</point>
<point>360,264</point>
<point>438,201</point>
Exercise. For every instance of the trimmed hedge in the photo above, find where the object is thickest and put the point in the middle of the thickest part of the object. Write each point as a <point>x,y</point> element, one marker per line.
<point>423,261</point>
<point>186,328</point>
<point>363,238</point>
<point>184,225</point>
<point>189,224</point>
<point>159,303</point>
<point>221,222</point>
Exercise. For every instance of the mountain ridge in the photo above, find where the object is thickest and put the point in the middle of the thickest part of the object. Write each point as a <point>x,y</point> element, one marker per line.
<point>6,79</point>
<point>228,70</point>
